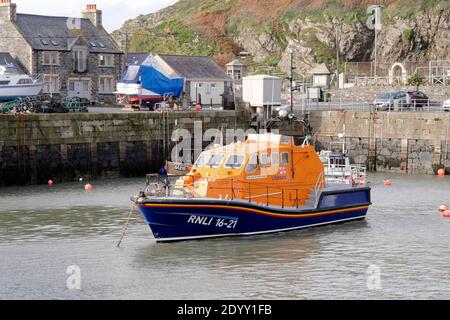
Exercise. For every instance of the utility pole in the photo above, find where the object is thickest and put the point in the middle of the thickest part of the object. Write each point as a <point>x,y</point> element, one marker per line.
<point>291,80</point>
<point>126,48</point>
<point>337,57</point>
<point>375,50</point>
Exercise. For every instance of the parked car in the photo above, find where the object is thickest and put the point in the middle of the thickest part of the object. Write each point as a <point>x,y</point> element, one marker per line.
<point>446,105</point>
<point>419,99</point>
<point>387,100</point>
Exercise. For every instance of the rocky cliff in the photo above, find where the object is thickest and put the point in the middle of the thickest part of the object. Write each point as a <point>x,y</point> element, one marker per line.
<point>313,30</point>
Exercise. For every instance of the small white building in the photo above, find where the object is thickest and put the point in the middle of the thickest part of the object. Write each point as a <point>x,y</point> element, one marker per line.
<point>321,76</point>
<point>236,70</point>
<point>262,90</point>
<point>262,93</point>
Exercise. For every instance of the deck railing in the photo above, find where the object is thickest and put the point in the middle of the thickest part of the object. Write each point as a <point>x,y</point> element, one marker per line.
<point>162,186</point>
<point>354,175</point>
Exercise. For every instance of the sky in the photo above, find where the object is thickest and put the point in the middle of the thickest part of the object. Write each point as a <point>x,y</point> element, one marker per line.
<point>115,12</point>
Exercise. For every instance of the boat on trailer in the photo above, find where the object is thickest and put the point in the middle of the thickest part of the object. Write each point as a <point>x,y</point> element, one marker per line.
<point>14,84</point>
<point>270,183</point>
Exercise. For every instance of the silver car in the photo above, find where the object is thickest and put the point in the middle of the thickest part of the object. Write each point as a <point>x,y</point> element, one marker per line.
<point>387,100</point>
<point>446,105</point>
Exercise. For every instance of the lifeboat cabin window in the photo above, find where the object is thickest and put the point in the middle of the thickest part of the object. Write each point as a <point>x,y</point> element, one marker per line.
<point>275,157</point>
<point>235,161</point>
<point>284,158</point>
<point>264,159</point>
<point>215,160</point>
<point>252,164</point>
<point>202,160</point>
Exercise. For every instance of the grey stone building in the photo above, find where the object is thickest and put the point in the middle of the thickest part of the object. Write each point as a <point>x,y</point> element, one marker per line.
<point>76,56</point>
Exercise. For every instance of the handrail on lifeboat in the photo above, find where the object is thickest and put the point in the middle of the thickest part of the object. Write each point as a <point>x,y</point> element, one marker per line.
<point>320,185</point>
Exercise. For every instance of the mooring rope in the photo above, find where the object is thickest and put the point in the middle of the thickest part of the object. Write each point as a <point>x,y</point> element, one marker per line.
<point>125,228</point>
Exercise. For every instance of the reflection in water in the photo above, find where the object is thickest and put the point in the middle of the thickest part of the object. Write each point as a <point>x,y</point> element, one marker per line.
<point>44,230</point>
<point>281,248</point>
<point>36,225</point>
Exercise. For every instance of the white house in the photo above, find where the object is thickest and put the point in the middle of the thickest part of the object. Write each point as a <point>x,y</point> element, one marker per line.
<point>321,76</point>
<point>205,81</point>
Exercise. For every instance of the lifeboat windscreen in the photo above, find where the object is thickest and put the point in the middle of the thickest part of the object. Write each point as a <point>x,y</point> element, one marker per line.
<point>235,161</point>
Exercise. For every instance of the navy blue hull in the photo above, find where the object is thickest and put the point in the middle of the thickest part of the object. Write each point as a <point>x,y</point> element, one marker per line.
<point>181,219</point>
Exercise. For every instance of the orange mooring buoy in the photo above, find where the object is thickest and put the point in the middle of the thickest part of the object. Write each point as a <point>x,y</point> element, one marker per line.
<point>446,213</point>
<point>441,172</point>
<point>88,187</point>
<point>387,183</point>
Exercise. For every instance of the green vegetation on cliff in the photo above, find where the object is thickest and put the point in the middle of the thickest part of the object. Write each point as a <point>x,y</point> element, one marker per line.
<point>222,28</point>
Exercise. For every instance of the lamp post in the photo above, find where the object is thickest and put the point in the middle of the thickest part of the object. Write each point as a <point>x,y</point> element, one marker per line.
<point>291,81</point>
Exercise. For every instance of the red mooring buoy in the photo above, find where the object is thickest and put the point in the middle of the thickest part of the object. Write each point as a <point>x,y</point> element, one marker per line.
<point>387,183</point>
<point>50,183</point>
<point>88,187</point>
<point>441,172</point>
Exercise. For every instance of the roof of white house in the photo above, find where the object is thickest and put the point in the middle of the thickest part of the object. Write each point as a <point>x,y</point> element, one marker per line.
<point>235,63</point>
<point>195,67</point>
<point>320,69</point>
<point>261,77</point>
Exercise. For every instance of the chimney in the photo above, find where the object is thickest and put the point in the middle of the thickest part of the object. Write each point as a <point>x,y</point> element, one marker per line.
<point>7,11</point>
<point>92,14</point>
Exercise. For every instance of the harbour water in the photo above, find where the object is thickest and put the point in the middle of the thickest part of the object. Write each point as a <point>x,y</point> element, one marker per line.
<point>401,251</point>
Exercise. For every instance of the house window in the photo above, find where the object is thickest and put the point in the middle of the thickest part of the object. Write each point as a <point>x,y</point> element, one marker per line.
<point>51,84</point>
<point>210,88</point>
<point>106,85</point>
<point>50,58</point>
<point>106,60</point>
<point>80,56</point>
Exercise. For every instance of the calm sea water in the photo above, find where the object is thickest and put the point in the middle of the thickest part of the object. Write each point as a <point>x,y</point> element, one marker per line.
<point>402,250</point>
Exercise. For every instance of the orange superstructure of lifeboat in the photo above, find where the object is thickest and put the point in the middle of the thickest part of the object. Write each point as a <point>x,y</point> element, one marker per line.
<point>268,169</point>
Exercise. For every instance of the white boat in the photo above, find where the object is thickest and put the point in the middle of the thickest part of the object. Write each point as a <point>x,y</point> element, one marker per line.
<point>15,85</point>
<point>337,168</point>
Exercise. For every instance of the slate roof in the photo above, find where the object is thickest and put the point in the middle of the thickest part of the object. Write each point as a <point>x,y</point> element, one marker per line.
<point>137,58</point>
<point>5,58</point>
<point>53,33</point>
<point>195,67</point>
<point>320,69</point>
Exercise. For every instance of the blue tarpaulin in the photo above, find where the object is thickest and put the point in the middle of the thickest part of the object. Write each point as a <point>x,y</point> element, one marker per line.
<point>153,80</point>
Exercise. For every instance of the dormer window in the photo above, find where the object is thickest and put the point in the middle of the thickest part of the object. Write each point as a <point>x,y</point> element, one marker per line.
<point>80,59</point>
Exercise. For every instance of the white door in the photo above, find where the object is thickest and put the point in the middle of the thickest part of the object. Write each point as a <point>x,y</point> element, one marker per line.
<point>79,88</point>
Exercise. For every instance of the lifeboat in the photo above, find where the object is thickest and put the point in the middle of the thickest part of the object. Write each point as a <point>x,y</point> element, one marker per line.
<point>270,183</point>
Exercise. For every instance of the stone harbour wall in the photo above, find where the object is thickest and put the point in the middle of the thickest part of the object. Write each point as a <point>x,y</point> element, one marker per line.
<point>403,142</point>
<point>66,147</point>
